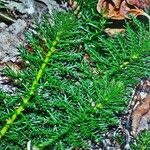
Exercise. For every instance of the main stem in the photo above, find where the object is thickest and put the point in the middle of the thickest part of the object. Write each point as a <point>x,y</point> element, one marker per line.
<point>26,100</point>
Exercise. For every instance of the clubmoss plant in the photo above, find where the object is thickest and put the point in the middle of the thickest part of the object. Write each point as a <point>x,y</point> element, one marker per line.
<point>142,142</point>
<point>76,94</point>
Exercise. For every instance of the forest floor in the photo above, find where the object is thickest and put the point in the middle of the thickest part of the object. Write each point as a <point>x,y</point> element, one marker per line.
<point>94,92</point>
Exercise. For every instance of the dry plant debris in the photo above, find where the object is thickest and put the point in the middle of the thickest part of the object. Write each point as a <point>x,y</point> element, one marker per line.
<point>140,107</point>
<point>140,116</point>
<point>119,10</point>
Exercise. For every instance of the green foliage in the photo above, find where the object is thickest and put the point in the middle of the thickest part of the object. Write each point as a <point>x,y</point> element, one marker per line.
<point>127,53</point>
<point>2,4</point>
<point>142,142</point>
<point>77,99</point>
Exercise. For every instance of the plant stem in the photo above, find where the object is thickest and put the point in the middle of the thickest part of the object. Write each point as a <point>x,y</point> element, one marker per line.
<point>18,111</point>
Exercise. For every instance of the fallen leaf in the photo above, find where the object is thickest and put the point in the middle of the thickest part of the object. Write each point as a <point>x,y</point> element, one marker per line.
<point>143,125</point>
<point>121,9</point>
<point>143,4</point>
<point>138,113</point>
<point>109,8</point>
<point>118,9</point>
<point>113,31</point>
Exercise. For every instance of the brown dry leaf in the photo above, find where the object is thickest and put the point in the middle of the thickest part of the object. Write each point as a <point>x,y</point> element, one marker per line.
<point>114,31</point>
<point>109,9</point>
<point>118,9</point>
<point>144,122</point>
<point>143,4</point>
<point>121,9</point>
<point>137,12</point>
<point>140,116</point>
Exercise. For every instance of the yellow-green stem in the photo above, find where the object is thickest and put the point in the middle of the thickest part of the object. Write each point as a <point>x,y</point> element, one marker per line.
<point>39,74</point>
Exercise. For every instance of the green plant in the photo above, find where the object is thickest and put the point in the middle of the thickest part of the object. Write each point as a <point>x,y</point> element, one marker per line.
<point>142,142</point>
<point>74,99</point>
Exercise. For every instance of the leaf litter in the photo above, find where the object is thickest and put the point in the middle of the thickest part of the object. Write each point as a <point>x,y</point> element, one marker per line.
<point>120,10</point>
